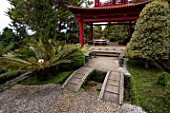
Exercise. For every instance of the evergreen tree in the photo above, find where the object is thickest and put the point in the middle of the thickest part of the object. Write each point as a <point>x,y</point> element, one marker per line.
<point>150,38</point>
<point>45,16</point>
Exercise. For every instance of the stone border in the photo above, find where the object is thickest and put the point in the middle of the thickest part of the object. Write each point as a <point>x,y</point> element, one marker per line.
<point>104,85</point>
<point>121,91</point>
<point>14,81</point>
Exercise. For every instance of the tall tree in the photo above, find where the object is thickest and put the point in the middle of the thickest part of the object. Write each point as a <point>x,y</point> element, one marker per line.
<point>150,38</point>
<point>10,39</point>
<point>44,16</point>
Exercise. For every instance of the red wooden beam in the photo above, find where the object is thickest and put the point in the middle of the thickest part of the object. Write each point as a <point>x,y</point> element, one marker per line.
<point>111,19</point>
<point>81,39</point>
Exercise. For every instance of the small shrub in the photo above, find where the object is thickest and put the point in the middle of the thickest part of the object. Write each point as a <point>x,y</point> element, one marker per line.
<point>97,76</point>
<point>77,61</point>
<point>163,79</point>
<point>130,94</point>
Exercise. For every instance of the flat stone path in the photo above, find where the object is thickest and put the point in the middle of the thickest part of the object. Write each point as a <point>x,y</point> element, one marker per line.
<point>74,82</point>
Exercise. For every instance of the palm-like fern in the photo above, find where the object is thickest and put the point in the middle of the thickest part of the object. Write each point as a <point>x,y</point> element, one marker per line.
<point>26,58</point>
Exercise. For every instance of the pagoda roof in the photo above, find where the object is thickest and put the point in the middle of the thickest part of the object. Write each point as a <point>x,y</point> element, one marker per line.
<point>125,12</point>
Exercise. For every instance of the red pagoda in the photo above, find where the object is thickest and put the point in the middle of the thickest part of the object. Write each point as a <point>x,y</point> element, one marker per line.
<point>111,11</point>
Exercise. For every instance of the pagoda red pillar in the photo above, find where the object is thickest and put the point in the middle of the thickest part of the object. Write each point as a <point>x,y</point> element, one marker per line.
<point>81,32</point>
<point>91,32</point>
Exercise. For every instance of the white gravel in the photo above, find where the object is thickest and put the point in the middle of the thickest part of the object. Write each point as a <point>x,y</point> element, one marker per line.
<point>52,99</point>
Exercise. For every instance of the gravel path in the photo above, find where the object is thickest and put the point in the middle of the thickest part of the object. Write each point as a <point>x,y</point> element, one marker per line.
<point>51,99</point>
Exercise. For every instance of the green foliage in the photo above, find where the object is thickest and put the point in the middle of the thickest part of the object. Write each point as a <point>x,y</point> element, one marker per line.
<point>77,60</point>
<point>97,32</point>
<point>41,15</point>
<point>97,76</point>
<point>115,33</point>
<point>94,76</point>
<point>150,38</point>
<point>39,57</point>
<point>150,96</point>
<point>130,93</point>
<point>163,79</point>
<point>59,78</point>
<point>5,49</point>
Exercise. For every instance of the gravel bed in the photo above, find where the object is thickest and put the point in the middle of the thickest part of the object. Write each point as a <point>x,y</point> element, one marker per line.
<point>52,99</point>
<point>128,108</point>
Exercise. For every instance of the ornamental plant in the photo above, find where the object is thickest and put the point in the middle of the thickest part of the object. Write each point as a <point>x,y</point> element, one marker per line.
<point>39,57</point>
<point>150,38</point>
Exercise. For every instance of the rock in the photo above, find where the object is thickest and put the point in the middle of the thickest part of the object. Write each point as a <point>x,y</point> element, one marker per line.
<point>99,86</point>
<point>91,83</point>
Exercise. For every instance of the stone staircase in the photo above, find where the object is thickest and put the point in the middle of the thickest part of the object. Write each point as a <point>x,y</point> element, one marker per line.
<point>105,53</point>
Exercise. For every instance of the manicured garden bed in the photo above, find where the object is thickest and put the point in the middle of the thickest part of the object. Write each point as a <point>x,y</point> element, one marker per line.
<point>93,82</point>
<point>144,89</point>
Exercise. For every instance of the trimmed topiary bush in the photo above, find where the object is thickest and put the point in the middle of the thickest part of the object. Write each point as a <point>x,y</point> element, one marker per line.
<point>150,38</point>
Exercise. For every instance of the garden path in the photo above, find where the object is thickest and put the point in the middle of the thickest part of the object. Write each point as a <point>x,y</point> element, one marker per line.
<point>112,86</point>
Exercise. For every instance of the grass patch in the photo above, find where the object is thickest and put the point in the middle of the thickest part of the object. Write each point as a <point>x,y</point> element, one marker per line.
<point>93,82</point>
<point>149,95</point>
<point>59,78</point>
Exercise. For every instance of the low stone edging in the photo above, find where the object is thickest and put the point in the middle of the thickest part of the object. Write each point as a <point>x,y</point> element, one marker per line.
<point>14,81</point>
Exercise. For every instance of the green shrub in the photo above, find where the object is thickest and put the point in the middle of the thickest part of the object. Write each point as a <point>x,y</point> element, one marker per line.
<point>166,97</point>
<point>129,94</point>
<point>97,76</point>
<point>77,61</point>
<point>163,78</point>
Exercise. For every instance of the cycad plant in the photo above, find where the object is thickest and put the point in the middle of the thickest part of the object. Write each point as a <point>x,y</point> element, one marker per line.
<point>5,49</point>
<point>39,57</point>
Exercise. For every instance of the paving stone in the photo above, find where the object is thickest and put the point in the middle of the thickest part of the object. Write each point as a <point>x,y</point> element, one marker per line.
<point>114,77</point>
<point>78,75</point>
<point>113,82</point>
<point>113,89</point>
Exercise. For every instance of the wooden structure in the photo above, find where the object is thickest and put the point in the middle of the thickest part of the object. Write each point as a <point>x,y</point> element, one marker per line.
<point>119,11</point>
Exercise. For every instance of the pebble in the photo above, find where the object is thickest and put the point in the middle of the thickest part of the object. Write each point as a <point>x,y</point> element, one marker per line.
<point>52,99</point>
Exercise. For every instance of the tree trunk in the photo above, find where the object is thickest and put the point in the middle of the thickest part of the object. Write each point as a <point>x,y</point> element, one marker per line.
<point>164,64</point>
